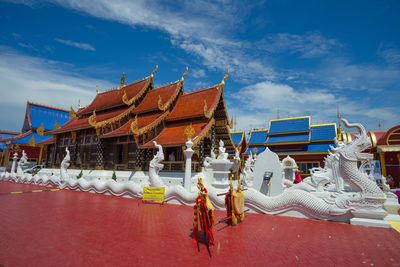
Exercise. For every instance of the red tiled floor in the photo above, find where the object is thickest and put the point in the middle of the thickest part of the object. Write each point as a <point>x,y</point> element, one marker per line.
<point>70,228</point>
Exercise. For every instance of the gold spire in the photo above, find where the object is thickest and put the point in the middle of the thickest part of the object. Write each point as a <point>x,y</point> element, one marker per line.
<point>72,112</point>
<point>97,89</point>
<point>339,130</point>
<point>79,104</point>
<point>184,74</point>
<point>122,80</point>
<point>154,71</point>
<point>225,77</point>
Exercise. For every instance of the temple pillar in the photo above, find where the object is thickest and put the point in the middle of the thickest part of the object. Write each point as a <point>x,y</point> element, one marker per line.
<point>187,183</point>
<point>383,163</point>
<point>100,155</point>
<point>40,155</point>
<point>6,156</point>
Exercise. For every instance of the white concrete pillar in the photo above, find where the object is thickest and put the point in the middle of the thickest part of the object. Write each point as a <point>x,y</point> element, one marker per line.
<point>187,183</point>
<point>14,163</point>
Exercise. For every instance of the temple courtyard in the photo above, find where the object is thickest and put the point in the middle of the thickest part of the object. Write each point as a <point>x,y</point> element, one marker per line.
<point>43,226</point>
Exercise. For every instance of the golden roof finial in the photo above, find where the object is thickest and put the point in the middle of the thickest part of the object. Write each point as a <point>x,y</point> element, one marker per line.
<point>72,112</point>
<point>122,80</point>
<point>184,74</point>
<point>79,104</point>
<point>339,130</point>
<point>154,71</point>
<point>189,131</point>
<point>225,77</point>
<point>40,130</point>
<point>97,89</point>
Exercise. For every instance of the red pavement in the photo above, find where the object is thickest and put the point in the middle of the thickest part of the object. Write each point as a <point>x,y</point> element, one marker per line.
<point>70,228</point>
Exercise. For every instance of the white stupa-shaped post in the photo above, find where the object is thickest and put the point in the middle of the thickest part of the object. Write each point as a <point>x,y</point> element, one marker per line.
<point>187,183</point>
<point>14,163</point>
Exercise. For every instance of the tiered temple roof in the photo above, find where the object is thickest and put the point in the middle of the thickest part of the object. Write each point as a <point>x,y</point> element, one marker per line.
<point>293,136</point>
<point>38,120</point>
<point>150,114</point>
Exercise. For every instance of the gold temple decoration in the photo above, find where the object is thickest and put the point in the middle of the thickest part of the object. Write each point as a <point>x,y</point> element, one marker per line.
<point>92,119</point>
<point>79,104</point>
<point>128,101</point>
<point>73,134</point>
<point>72,113</point>
<point>205,108</point>
<point>206,132</point>
<point>135,127</point>
<point>94,123</point>
<point>230,123</point>
<point>40,130</point>
<point>97,90</point>
<point>184,74</point>
<point>122,80</point>
<point>98,131</point>
<point>56,125</point>
<point>189,131</point>
<point>31,142</point>
<point>154,71</point>
<point>225,77</point>
<point>339,130</point>
<point>159,103</point>
<point>255,150</point>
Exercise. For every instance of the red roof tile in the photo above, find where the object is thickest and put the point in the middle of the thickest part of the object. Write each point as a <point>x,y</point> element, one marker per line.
<point>150,102</point>
<point>174,135</point>
<point>113,98</point>
<point>192,104</point>
<point>143,121</point>
<point>81,123</point>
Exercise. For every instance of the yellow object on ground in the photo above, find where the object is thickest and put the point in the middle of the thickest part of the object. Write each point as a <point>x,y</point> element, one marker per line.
<point>395,225</point>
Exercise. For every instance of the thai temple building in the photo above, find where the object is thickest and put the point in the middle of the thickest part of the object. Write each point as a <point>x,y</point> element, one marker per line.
<point>39,119</point>
<point>307,144</point>
<point>119,128</point>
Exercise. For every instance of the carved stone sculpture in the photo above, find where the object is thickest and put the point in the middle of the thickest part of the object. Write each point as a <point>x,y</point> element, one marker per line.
<point>21,163</point>
<point>221,151</point>
<point>156,166</point>
<point>64,165</point>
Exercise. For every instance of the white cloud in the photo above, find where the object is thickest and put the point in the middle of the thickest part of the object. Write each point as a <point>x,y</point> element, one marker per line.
<point>198,73</point>
<point>309,45</point>
<point>389,53</point>
<point>42,81</point>
<point>83,46</point>
<point>206,35</point>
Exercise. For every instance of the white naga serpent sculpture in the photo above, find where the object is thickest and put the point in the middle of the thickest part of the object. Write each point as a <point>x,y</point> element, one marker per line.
<point>156,166</point>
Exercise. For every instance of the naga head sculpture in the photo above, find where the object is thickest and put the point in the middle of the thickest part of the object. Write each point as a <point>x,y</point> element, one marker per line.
<point>361,141</point>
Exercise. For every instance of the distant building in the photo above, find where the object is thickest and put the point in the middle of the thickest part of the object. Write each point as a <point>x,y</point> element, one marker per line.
<point>39,119</point>
<point>307,144</point>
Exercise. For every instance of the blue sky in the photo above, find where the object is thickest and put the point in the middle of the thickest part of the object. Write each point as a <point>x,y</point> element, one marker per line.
<point>301,57</point>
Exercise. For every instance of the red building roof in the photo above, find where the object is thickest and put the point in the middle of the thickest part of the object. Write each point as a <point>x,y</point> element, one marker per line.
<point>174,135</point>
<point>113,98</point>
<point>82,123</point>
<point>142,121</point>
<point>166,93</point>
<point>192,104</point>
